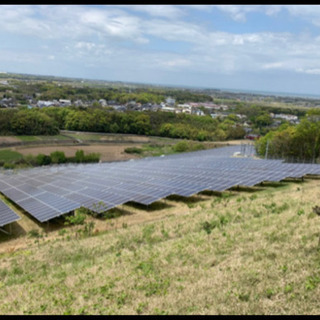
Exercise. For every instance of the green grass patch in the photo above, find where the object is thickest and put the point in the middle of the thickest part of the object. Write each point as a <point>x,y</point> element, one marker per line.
<point>27,138</point>
<point>10,156</point>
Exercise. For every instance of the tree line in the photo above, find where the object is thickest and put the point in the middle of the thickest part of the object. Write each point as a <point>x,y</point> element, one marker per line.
<point>48,121</point>
<point>294,143</point>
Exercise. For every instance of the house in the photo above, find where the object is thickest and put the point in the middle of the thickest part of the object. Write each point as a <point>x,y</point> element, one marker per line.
<point>170,101</point>
<point>64,102</point>
<point>199,113</point>
<point>42,103</point>
<point>7,103</point>
<point>103,102</point>
<point>78,103</point>
<point>168,109</point>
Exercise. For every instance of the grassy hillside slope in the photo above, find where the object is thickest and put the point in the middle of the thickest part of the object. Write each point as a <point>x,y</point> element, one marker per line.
<point>249,253</point>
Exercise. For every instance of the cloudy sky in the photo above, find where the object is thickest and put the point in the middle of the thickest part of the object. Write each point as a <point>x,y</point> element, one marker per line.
<point>252,47</point>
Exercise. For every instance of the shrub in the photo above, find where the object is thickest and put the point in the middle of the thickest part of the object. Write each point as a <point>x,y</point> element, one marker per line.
<point>31,159</point>
<point>133,150</point>
<point>9,165</point>
<point>92,157</point>
<point>80,157</point>
<point>181,146</point>
<point>58,157</point>
<point>43,160</point>
<point>76,219</point>
<point>197,146</point>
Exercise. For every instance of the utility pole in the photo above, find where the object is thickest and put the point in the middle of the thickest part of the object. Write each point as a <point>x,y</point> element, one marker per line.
<point>267,149</point>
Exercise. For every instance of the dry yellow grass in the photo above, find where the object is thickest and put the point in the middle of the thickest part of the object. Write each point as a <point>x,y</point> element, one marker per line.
<point>251,253</point>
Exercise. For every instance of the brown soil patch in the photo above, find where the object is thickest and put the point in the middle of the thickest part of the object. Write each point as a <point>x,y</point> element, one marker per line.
<point>8,139</point>
<point>108,152</point>
<point>127,138</point>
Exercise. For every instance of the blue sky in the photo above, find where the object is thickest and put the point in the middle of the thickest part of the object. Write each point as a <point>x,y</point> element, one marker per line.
<point>251,47</point>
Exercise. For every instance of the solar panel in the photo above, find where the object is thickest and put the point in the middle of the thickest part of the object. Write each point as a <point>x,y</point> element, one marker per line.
<point>47,192</point>
<point>7,215</point>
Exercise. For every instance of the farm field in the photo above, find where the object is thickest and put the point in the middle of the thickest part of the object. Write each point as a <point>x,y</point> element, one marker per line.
<point>110,146</point>
<point>238,253</point>
<point>108,152</point>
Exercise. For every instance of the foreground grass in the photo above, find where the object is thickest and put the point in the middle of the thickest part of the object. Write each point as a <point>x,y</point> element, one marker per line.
<point>251,253</point>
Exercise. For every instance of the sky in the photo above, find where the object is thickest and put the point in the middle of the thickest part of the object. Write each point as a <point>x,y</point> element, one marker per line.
<point>273,48</point>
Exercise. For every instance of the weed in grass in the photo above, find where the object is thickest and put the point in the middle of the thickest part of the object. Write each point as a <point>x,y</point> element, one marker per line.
<point>34,234</point>
<point>274,209</point>
<point>288,288</point>
<point>146,267</point>
<point>256,213</point>
<point>147,233</point>
<point>141,307</point>
<point>121,299</point>
<point>202,206</point>
<point>164,232</point>
<point>300,212</point>
<point>62,232</point>
<point>160,312</point>
<point>241,199</point>
<point>157,287</point>
<point>253,197</point>
<point>208,226</point>
<point>312,282</point>
<point>245,297</point>
<point>312,215</point>
<point>269,293</point>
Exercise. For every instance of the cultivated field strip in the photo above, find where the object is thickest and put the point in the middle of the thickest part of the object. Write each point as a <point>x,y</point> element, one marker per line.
<point>48,192</point>
<point>6,214</point>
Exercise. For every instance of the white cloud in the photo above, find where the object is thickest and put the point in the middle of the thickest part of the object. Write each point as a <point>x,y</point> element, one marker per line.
<point>179,62</point>
<point>122,38</point>
<point>239,12</point>
<point>310,13</point>
<point>164,11</point>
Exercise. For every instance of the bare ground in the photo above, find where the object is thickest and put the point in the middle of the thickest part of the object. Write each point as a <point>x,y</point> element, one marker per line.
<point>112,152</point>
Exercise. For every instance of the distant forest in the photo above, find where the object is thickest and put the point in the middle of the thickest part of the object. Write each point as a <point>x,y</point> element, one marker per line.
<point>48,121</point>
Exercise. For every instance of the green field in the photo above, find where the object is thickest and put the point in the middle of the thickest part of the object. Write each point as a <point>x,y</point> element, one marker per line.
<point>41,138</point>
<point>9,155</point>
<point>240,253</point>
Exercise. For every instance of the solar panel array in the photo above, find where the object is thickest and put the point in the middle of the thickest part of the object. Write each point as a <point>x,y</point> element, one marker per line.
<point>48,192</point>
<point>6,214</point>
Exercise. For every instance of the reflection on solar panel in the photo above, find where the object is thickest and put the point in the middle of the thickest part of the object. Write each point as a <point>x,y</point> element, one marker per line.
<point>7,215</point>
<point>48,192</point>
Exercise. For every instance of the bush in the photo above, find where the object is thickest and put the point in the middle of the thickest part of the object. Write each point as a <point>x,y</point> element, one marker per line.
<point>58,157</point>
<point>181,146</point>
<point>197,146</point>
<point>43,160</point>
<point>31,159</point>
<point>76,219</point>
<point>92,157</point>
<point>9,165</point>
<point>80,157</point>
<point>133,150</point>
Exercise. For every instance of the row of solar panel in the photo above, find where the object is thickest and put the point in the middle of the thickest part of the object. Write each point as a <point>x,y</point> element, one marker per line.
<point>49,192</point>
<point>6,214</point>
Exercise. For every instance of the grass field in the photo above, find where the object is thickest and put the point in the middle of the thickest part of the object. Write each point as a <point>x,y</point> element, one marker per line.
<point>240,253</point>
<point>7,155</point>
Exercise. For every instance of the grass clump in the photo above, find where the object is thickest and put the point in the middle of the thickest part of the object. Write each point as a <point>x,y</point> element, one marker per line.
<point>133,150</point>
